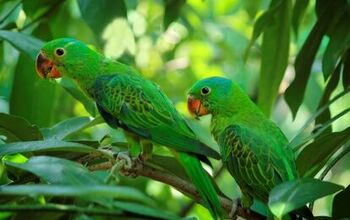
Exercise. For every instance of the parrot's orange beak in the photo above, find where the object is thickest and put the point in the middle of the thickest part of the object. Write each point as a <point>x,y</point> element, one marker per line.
<point>45,67</point>
<point>195,107</point>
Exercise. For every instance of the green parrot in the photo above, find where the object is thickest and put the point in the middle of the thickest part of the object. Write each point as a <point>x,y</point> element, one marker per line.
<point>126,100</point>
<point>252,147</point>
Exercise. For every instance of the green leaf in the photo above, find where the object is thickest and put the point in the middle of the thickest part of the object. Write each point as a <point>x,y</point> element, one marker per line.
<point>331,86</point>
<point>274,60</point>
<point>261,23</point>
<point>57,171</point>
<point>299,10</point>
<point>339,42</point>
<point>311,160</point>
<point>295,93</point>
<point>292,195</point>
<point>170,164</point>
<point>18,129</point>
<point>66,127</point>
<point>144,210</point>
<point>340,207</point>
<point>172,11</point>
<point>98,16</point>
<point>47,145</point>
<point>22,42</point>
<point>89,191</point>
<point>73,89</point>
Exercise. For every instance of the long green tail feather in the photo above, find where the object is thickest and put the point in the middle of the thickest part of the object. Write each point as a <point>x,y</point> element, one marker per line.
<point>203,184</point>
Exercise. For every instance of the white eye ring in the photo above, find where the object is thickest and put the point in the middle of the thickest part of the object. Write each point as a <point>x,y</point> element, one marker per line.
<point>60,52</point>
<point>205,90</point>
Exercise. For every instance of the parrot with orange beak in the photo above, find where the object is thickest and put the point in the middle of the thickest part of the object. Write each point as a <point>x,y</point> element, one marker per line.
<point>253,148</point>
<point>126,100</point>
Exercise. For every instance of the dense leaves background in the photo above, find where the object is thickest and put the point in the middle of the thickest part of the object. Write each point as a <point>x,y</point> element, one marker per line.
<point>292,58</point>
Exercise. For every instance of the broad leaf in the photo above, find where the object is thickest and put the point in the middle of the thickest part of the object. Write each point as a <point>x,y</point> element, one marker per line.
<point>295,93</point>
<point>47,145</point>
<point>89,191</point>
<point>338,44</point>
<point>274,60</point>
<point>18,129</point>
<point>171,11</point>
<point>57,171</point>
<point>340,207</point>
<point>66,127</point>
<point>295,194</point>
<point>315,155</point>
<point>22,42</point>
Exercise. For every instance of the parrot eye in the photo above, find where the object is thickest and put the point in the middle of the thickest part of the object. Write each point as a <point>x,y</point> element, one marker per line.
<point>205,90</point>
<point>59,51</point>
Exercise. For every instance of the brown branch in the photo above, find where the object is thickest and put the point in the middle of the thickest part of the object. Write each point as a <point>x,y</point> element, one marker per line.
<point>178,183</point>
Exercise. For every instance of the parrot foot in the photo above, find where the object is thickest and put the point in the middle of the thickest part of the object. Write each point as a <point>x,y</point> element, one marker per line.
<point>129,165</point>
<point>124,158</point>
<point>235,204</point>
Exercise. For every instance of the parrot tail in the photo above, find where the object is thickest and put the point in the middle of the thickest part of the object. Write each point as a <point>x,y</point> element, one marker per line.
<point>203,183</point>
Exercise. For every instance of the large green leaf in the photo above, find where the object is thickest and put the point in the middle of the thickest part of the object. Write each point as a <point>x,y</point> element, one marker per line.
<point>292,195</point>
<point>315,155</point>
<point>66,127</point>
<point>99,15</point>
<point>46,145</point>
<point>57,171</point>
<point>18,129</point>
<point>299,10</point>
<point>88,191</point>
<point>338,44</point>
<point>295,93</point>
<point>274,60</point>
<point>171,11</point>
<point>340,207</point>
<point>78,94</point>
<point>22,42</point>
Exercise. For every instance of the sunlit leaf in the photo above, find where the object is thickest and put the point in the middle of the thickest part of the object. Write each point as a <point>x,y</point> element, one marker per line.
<point>97,16</point>
<point>57,171</point>
<point>47,145</point>
<point>340,207</point>
<point>274,60</point>
<point>18,129</point>
<point>316,154</point>
<point>24,43</point>
<point>292,195</point>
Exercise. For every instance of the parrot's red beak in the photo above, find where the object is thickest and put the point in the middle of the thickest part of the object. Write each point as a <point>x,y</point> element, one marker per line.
<point>195,107</point>
<point>46,68</point>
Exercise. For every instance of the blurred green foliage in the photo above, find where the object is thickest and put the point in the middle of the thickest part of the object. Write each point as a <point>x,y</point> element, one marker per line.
<point>300,63</point>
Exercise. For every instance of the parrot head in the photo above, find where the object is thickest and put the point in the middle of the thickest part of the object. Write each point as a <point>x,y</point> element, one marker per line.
<point>58,56</point>
<point>208,95</point>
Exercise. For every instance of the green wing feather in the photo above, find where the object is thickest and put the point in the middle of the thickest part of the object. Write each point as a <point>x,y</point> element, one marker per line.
<point>144,110</point>
<point>254,163</point>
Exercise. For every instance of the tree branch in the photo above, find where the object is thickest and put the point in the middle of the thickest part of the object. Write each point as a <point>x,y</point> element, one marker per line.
<point>178,183</point>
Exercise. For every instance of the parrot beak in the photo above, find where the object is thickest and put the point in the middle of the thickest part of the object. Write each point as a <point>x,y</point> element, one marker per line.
<point>195,107</point>
<point>46,68</point>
